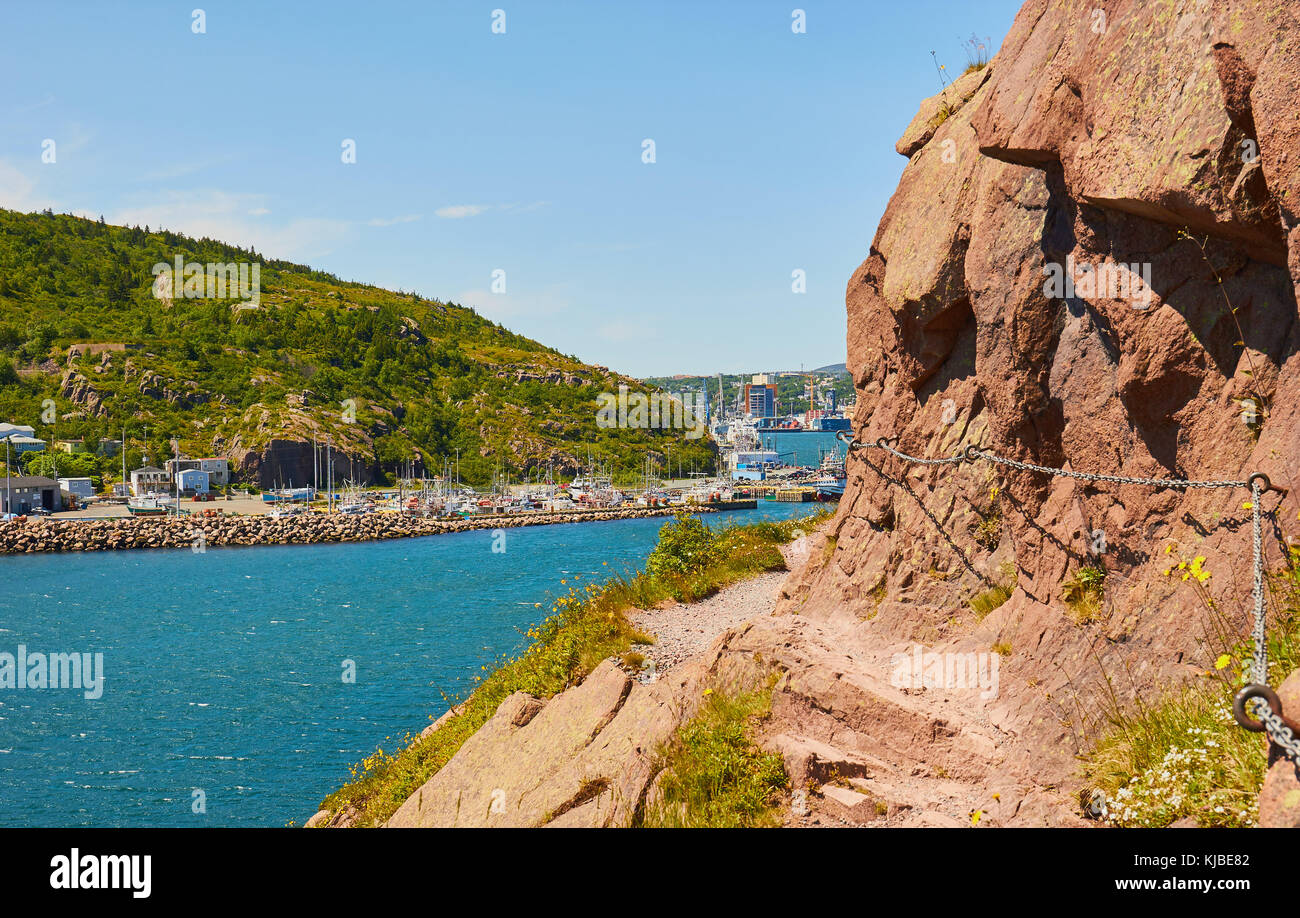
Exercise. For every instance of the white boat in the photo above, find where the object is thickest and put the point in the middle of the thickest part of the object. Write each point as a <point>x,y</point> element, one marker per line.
<point>287,494</point>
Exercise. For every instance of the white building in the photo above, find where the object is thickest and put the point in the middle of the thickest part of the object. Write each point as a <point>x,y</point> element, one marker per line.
<point>149,478</point>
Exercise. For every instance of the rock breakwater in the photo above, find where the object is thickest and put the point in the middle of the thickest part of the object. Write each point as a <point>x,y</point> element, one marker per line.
<point>32,536</point>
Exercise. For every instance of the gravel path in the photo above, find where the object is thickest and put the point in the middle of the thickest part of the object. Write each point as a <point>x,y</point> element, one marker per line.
<point>682,630</point>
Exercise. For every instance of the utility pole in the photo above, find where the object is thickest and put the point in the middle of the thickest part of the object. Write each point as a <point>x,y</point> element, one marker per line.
<point>9,476</point>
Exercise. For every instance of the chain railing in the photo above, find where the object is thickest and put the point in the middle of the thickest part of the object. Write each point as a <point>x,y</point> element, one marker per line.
<point>1267,707</point>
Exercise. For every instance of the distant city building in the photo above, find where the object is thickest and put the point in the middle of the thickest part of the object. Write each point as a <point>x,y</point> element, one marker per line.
<point>71,447</point>
<point>109,447</point>
<point>24,493</point>
<point>760,399</point>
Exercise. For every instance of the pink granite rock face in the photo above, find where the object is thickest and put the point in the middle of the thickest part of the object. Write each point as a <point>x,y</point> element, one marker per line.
<point>1094,142</point>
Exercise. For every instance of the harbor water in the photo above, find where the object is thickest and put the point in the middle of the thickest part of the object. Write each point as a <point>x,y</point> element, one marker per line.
<point>224,671</point>
<point>801,447</point>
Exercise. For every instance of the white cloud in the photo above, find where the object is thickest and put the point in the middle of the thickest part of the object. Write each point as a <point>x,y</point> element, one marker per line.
<point>393,221</point>
<point>524,208</point>
<point>223,215</point>
<point>177,170</point>
<point>457,211</point>
<point>24,109</point>
<point>623,331</point>
<point>18,190</point>
<point>503,307</point>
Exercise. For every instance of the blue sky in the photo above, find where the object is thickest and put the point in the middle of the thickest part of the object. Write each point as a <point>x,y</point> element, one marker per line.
<point>519,151</point>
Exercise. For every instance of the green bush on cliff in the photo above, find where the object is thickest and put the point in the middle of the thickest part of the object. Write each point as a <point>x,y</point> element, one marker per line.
<point>686,546</point>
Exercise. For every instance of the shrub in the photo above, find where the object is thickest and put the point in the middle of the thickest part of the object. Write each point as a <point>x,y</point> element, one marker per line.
<point>686,546</point>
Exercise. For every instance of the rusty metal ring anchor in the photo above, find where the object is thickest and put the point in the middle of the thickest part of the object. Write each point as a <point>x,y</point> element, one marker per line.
<point>1254,690</point>
<point>971,453</point>
<point>1267,484</point>
<point>846,436</point>
<point>884,442</point>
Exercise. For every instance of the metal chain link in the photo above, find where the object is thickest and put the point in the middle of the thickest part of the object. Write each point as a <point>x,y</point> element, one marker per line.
<point>1278,730</point>
<point>1257,544</point>
<point>1113,479</point>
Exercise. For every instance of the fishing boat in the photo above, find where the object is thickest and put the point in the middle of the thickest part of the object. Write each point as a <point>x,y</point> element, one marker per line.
<point>831,478</point>
<point>753,465</point>
<point>150,505</point>
<point>279,495</point>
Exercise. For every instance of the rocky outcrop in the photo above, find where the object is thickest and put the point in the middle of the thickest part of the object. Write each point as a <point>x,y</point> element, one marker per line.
<point>546,375</point>
<point>1162,137</point>
<point>77,389</point>
<point>585,758</point>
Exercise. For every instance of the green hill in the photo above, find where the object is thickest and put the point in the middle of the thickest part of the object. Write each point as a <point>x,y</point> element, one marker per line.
<point>387,376</point>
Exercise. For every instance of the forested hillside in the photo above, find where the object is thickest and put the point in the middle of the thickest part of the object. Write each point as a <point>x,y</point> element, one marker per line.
<point>387,376</point>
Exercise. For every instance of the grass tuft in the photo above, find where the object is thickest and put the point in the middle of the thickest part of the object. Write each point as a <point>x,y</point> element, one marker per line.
<point>984,603</point>
<point>1084,591</point>
<point>714,776</point>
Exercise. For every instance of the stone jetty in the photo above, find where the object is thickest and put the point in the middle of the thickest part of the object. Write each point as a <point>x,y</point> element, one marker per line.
<point>46,535</point>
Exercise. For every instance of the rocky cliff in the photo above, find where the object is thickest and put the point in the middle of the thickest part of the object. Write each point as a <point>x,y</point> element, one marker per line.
<point>1158,135</point>
<point>992,311</point>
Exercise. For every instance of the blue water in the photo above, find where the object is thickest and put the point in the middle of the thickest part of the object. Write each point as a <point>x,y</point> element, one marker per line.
<point>224,669</point>
<point>802,447</point>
